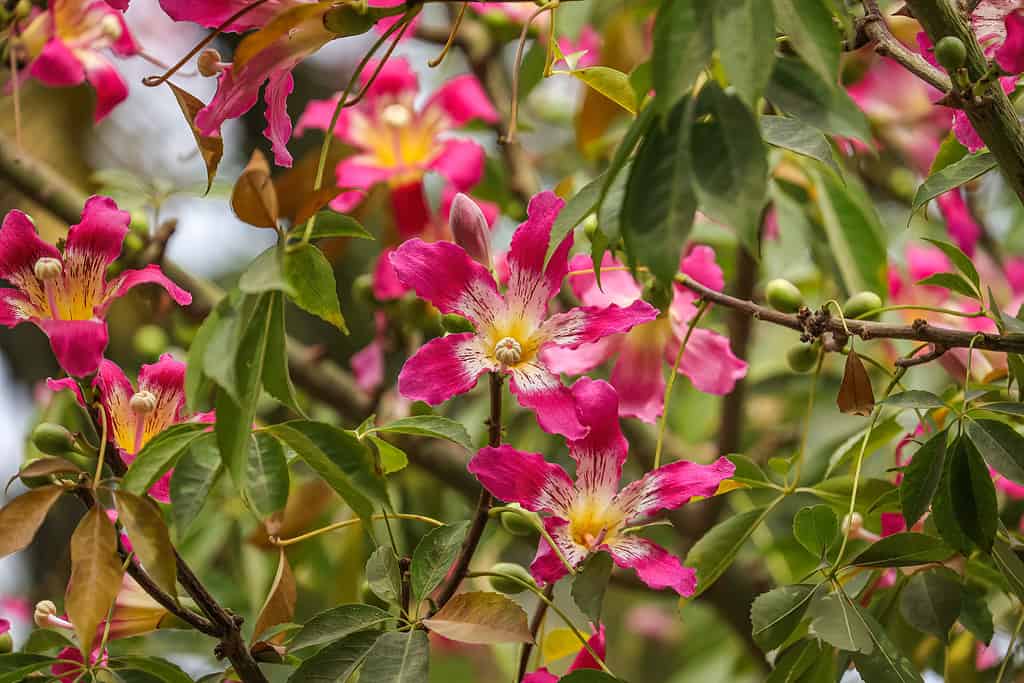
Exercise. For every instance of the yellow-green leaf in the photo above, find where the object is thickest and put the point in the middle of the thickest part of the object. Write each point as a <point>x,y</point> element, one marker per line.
<point>150,538</point>
<point>482,618</point>
<point>22,517</point>
<point>611,83</point>
<point>96,572</point>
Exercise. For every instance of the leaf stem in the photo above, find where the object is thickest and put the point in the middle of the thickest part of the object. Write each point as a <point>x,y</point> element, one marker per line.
<point>281,542</point>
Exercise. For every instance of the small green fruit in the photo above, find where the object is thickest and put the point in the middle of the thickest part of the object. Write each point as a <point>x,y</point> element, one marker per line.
<point>455,323</point>
<point>590,226</point>
<point>783,295</point>
<point>52,439</point>
<point>519,522</point>
<point>862,303</point>
<point>507,585</point>
<point>951,53</point>
<point>150,341</point>
<point>6,643</point>
<point>802,358</point>
<point>140,223</point>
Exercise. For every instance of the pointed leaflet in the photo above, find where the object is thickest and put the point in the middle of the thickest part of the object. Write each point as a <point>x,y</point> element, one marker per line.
<point>855,394</point>
<point>885,663</point>
<point>611,83</point>
<point>159,455</point>
<point>797,90</point>
<point>590,585</point>
<point>194,476</point>
<point>433,557</point>
<point>151,541</point>
<point>715,551</point>
<point>1001,446</point>
<point>816,529</point>
<point>392,458</point>
<point>952,177</point>
<point>22,517</point>
<point>211,147</point>
<point>921,478</point>
<point>254,198</point>
<point>972,494</point>
<point>833,620</point>
<point>905,549</point>
<point>797,137</point>
<point>953,282</point>
<point>384,575</point>
<point>336,662</point>
<point>96,572</point>
<point>575,210</point>
<point>682,46</point>
<point>481,618</point>
<point>279,607</point>
<point>267,479</point>
<point>811,31</point>
<point>429,425</point>
<point>398,657</point>
<point>337,623</point>
<point>276,379</point>
<point>930,602</point>
<point>745,48</point>
<point>310,279</point>
<point>959,259</point>
<point>776,614</point>
<point>1010,566</point>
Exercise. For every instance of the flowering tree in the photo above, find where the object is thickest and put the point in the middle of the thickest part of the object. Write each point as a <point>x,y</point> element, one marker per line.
<point>669,340</point>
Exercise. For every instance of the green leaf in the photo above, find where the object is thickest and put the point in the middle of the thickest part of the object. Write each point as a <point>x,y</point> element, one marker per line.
<point>310,278</point>
<point>800,92</point>
<point>1000,445</point>
<point>338,661</point>
<point>267,479</point>
<point>481,618</point>
<point>332,224</point>
<point>776,614</point>
<point>732,185</point>
<point>1010,566</point>
<point>197,382</point>
<point>745,49</point>
<point>975,614</point>
<point>337,623</point>
<point>952,176</point>
<point>855,238</point>
<point>276,379</point>
<point>930,602</point>
<point>715,551</point>
<point>590,585</point>
<point>392,458</point>
<point>611,176</point>
<point>1004,408</point>
<point>384,575</point>
<point>340,459</point>
<point>915,398</point>
<point>433,557</point>
<point>682,46</point>
<point>959,259</point>
<point>160,668</point>
<point>151,541</point>
<point>921,478</point>
<point>611,83</point>
<point>834,620</point>
<point>574,212</point>
<point>816,528</point>
<point>398,658</point>
<point>885,664</point>
<point>429,425</point>
<point>808,25</point>
<point>264,274</point>
<point>953,282</point>
<point>588,676</point>
<point>798,659</point>
<point>797,137</point>
<point>972,494</point>
<point>159,455</point>
<point>885,431</point>
<point>903,550</point>
<point>950,152</point>
<point>660,201</point>
<point>194,476</point>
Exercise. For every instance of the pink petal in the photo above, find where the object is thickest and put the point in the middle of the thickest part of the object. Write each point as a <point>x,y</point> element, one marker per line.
<point>98,236</point>
<point>525,478</point>
<point>461,162</point>
<point>600,454</point>
<point>671,486</point>
<point>961,225</point>
<point>318,115</point>
<point>585,660</point>
<point>463,99</point>
<point>57,66</point>
<point>541,675</point>
<point>445,275</point>
<point>166,380</point>
<point>892,523</point>
<point>20,247</point>
<point>13,305</point>
<point>700,264</point>
<point>5,626</point>
<point>617,286</point>
<point>213,13</point>
<point>77,344</point>
<point>653,564</point>
<point>151,274</point>
<point>409,203</point>
<point>69,384</point>
<point>639,376</point>
<point>118,4</point>
<point>583,358</point>
<point>386,285</point>
<point>368,366</point>
<point>708,361</point>
<point>443,368</point>
<point>924,262</point>
<point>357,172</point>
<point>1010,54</point>
<point>547,567</point>
<point>279,124</point>
<point>396,78</point>
<point>965,133</point>
<point>530,284</point>
<point>589,324</point>
<point>536,388</point>
<point>111,90</point>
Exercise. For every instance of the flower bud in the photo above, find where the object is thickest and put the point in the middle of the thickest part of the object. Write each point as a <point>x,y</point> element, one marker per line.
<point>507,585</point>
<point>45,611</point>
<point>456,323</point>
<point>852,524</point>
<point>48,268</point>
<point>469,227</point>
<point>52,439</point>
<point>783,295</point>
<point>209,62</point>
<point>6,642</point>
<point>861,303</point>
<point>802,358</point>
<point>150,341</point>
<point>520,522</point>
<point>142,403</point>
<point>950,52</point>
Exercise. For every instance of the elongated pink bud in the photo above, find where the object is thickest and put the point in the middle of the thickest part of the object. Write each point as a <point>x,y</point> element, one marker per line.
<point>470,230</point>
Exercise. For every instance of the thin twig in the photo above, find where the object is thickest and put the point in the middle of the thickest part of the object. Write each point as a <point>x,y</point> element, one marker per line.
<point>936,352</point>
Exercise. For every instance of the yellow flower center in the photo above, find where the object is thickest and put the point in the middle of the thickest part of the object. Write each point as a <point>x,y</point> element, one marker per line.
<point>593,522</point>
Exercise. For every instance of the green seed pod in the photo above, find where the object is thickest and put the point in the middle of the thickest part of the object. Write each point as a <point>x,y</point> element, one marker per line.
<point>6,643</point>
<point>951,53</point>
<point>362,289</point>
<point>783,295</point>
<point>150,341</point>
<point>52,439</point>
<point>861,303</point>
<point>506,585</point>
<point>456,323</point>
<point>590,226</point>
<point>802,358</point>
<point>520,522</point>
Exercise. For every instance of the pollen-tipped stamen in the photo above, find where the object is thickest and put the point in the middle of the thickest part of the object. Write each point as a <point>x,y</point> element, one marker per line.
<point>46,616</point>
<point>47,270</point>
<point>141,404</point>
<point>508,351</point>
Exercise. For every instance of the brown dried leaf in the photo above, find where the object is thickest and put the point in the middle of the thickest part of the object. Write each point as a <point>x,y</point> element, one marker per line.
<point>43,467</point>
<point>295,184</point>
<point>482,618</point>
<point>96,573</point>
<point>280,604</point>
<point>211,147</point>
<point>254,198</point>
<point>304,508</point>
<point>855,394</point>
<point>279,28</point>
<point>315,201</point>
<point>22,517</point>
<point>150,539</point>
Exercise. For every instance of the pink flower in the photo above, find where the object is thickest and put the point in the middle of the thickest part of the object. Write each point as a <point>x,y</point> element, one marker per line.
<point>594,514</point>
<point>71,665</point>
<point>66,44</point>
<point>640,355</point>
<point>5,626</point>
<point>135,417</point>
<point>368,364</point>
<point>213,13</point>
<point>511,329</point>
<point>66,295</point>
<point>398,143</point>
<point>1010,54</point>
<point>962,227</point>
<point>513,12</point>
<point>584,660</point>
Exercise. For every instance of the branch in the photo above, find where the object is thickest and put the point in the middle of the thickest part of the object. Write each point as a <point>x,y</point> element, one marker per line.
<point>934,354</point>
<point>877,31</point>
<point>983,100</point>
